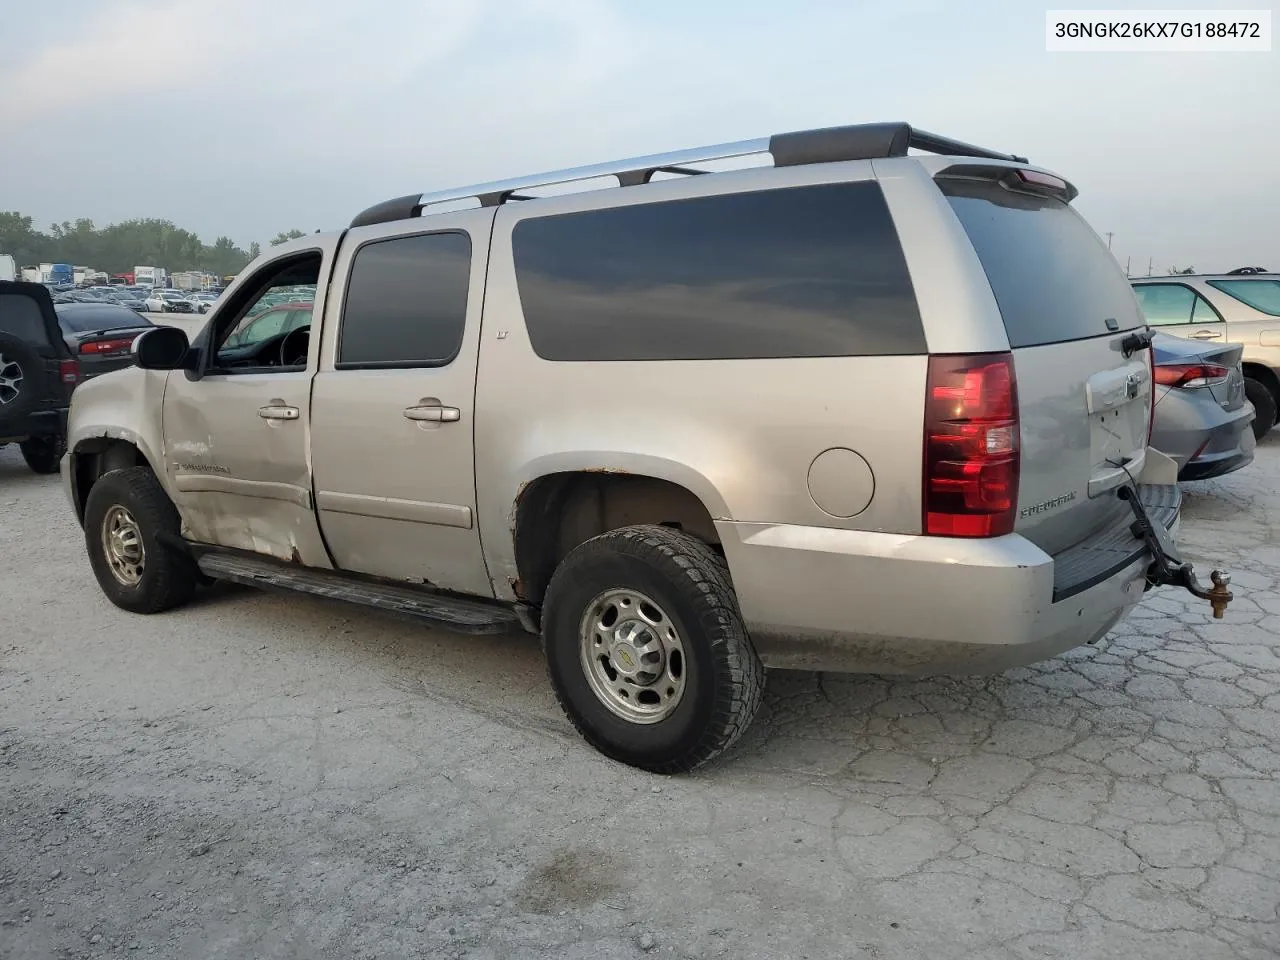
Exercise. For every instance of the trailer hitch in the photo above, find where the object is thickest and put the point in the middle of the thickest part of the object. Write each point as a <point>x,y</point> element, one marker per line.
<point>1167,566</point>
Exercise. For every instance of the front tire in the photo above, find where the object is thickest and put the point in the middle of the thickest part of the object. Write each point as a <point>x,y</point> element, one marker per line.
<point>1264,404</point>
<point>43,454</point>
<point>131,530</point>
<point>646,649</point>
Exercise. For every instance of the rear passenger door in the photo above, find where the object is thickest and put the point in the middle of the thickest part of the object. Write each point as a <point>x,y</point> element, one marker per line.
<point>393,404</point>
<point>1180,311</point>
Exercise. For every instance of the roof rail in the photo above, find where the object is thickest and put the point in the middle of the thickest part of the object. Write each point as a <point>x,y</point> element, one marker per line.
<point>863,141</point>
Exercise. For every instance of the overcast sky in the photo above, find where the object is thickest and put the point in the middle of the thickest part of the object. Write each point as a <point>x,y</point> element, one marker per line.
<point>247,117</point>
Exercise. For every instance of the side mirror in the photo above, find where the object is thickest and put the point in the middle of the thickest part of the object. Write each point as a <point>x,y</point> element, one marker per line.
<point>164,348</point>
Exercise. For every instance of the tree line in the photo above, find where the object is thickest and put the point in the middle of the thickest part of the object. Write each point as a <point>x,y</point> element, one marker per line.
<point>119,247</point>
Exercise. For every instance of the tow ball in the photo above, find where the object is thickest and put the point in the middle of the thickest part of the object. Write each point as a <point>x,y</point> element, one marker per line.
<point>1168,567</point>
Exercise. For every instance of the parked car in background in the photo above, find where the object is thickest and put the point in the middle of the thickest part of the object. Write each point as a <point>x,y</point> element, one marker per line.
<point>203,302</point>
<point>259,326</point>
<point>37,374</point>
<point>100,335</point>
<point>1202,416</point>
<point>168,301</point>
<point>126,299</point>
<point>1225,308</point>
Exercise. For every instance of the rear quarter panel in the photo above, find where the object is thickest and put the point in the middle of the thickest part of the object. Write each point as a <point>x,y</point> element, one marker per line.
<point>1257,332</point>
<point>740,435</point>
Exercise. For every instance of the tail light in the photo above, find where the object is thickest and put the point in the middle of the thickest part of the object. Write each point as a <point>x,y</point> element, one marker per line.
<point>971,442</point>
<point>69,371</point>
<point>1190,375</point>
<point>97,347</point>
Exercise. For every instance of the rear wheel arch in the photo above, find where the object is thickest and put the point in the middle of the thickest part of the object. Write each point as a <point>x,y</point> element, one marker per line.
<point>557,512</point>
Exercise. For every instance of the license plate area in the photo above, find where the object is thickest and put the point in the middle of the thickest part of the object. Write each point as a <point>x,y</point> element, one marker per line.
<point>1118,403</point>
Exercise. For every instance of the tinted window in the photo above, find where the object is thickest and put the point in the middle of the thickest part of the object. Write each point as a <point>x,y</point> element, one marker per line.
<point>1204,312</point>
<point>1165,303</point>
<point>82,318</point>
<point>20,317</point>
<point>1053,279</point>
<point>406,301</point>
<point>798,272</point>
<point>1262,295</point>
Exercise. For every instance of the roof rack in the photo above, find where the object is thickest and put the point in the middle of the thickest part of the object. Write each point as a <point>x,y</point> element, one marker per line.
<point>862,141</point>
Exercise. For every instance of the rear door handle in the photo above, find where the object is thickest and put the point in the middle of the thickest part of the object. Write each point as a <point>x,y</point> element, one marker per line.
<point>433,413</point>
<point>278,412</point>
<point>1206,335</point>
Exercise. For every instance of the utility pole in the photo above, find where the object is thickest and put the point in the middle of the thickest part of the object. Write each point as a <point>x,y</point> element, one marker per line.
<point>1127,261</point>
<point>1150,263</point>
<point>1109,236</point>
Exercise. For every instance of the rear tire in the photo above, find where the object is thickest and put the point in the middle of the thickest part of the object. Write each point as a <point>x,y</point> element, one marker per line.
<point>1264,403</point>
<point>43,454</point>
<point>646,649</point>
<point>132,531</point>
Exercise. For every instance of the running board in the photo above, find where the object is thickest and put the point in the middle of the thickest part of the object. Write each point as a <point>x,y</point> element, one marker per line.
<point>460,616</point>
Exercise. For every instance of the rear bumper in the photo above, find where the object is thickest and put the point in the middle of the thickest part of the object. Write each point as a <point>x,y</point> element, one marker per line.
<point>859,602</point>
<point>1201,437</point>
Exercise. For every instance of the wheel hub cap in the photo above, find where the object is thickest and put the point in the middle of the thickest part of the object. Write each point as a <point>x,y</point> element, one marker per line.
<point>633,656</point>
<point>10,380</point>
<point>122,546</point>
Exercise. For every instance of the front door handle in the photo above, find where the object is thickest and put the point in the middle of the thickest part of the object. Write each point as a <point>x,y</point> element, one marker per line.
<point>275,411</point>
<point>1206,335</point>
<point>433,413</point>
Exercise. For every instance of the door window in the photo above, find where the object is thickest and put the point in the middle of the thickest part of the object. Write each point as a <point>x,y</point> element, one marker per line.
<point>253,335</point>
<point>1166,304</point>
<point>406,302</point>
<point>1203,312</point>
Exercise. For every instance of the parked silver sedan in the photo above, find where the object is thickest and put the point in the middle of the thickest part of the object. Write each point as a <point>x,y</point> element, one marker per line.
<point>1203,419</point>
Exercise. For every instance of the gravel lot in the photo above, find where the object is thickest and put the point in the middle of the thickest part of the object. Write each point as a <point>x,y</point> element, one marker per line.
<point>268,776</point>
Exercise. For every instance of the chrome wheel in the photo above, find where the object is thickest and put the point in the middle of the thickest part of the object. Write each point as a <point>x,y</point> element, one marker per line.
<point>122,546</point>
<point>632,655</point>
<point>10,380</point>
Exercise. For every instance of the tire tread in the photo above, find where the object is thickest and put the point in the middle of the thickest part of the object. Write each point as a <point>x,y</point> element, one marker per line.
<point>173,578</point>
<point>718,618</point>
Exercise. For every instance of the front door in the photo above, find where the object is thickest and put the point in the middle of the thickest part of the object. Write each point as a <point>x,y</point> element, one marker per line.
<point>1184,312</point>
<point>236,432</point>
<point>393,403</point>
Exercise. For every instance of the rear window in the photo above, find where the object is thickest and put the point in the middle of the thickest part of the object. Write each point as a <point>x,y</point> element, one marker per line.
<point>796,272</point>
<point>94,317</point>
<point>20,317</point>
<point>1053,279</point>
<point>1262,295</point>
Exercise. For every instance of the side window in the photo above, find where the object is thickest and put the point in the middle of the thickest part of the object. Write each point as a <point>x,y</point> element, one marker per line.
<point>251,332</point>
<point>1262,295</point>
<point>813,271</point>
<point>1165,304</point>
<point>406,302</point>
<point>1203,312</point>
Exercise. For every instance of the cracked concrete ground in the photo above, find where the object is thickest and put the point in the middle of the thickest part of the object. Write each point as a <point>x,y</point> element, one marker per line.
<point>268,776</point>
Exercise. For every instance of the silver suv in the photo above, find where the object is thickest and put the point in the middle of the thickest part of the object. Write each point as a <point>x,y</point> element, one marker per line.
<point>1239,308</point>
<point>856,410</point>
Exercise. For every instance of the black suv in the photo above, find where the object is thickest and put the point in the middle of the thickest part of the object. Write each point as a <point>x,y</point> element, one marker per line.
<point>37,375</point>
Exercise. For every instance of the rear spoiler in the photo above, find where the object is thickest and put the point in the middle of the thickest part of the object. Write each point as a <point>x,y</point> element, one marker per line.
<point>1014,176</point>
